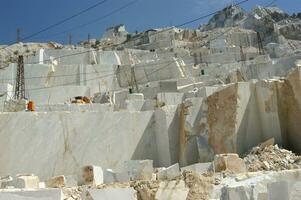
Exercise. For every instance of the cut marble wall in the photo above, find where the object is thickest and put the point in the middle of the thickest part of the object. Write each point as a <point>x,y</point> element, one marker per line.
<point>61,142</point>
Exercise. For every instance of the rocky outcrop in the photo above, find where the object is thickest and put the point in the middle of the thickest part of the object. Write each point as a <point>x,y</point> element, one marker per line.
<point>228,17</point>
<point>291,30</point>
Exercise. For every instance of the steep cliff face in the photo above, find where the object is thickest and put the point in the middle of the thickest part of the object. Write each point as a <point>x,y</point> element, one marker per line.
<point>270,22</point>
<point>247,113</point>
<point>221,120</point>
<point>292,94</point>
<point>228,17</point>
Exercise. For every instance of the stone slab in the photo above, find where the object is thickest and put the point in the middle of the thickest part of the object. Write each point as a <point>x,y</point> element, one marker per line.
<point>113,194</point>
<point>61,181</point>
<point>91,175</point>
<point>45,194</point>
<point>139,169</point>
<point>169,173</point>
<point>278,191</point>
<point>60,142</point>
<point>198,167</point>
<point>28,182</point>
<point>237,193</point>
<point>112,177</point>
<point>172,190</point>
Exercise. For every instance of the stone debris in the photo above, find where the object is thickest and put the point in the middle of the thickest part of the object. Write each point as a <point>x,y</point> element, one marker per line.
<point>61,181</point>
<point>112,193</point>
<point>200,186</point>
<point>271,158</point>
<point>172,190</point>
<point>157,115</point>
<point>229,162</point>
<point>112,177</point>
<point>91,175</point>
<point>199,168</point>
<point>25,181</point>
<point>169,173</point>
<point>146,189</point>
<point>139,169</point>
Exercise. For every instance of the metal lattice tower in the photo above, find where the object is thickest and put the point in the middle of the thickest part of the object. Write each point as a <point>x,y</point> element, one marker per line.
<point>20,80</point>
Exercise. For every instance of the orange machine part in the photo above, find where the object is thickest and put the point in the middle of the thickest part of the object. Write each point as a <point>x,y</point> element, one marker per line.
<point>31,106</point>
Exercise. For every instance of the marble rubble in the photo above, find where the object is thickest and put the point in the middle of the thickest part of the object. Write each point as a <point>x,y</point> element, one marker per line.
<point>167,113</point>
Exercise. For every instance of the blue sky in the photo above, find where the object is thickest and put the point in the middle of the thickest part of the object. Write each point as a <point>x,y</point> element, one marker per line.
<point>33,15</point>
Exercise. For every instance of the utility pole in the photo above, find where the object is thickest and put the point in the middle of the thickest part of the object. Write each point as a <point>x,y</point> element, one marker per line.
<point>133,79</point>
<point>18,35</point>
<point>89,38</point>
<point>260,45</point>
<point>70,39</point>
<point>20,80</point>
<point>242,54</point>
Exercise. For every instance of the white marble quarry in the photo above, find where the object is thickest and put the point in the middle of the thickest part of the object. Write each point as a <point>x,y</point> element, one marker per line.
<point>62,181</point>
<point>162,99</point>
<point>139,169</point>
<point>136,96</point>
<point>14,105</point>
<point>25,181</point>
<point>175,190</point>
<point>111,176</point>
<point>207,91</point>
<point>91,175</point>
<point>168,86</point>
<point>170,98</point>
<point>59,142</point>
<point>134,105</point>
<point>295,188</point>
<point>56,95</point>
<point>198,167</point>
<point>6,94</point>
<point>254,116</point>
<point>278,190</point>
<point>112,193</point>
<point>94,107</point>
<point>167,130</point>
<point>169,173</point>
<point>255,184</point>
<point>39,194</point>
<point>237,193</point>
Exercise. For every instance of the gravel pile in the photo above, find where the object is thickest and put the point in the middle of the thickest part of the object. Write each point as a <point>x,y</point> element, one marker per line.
<point>271,158</point>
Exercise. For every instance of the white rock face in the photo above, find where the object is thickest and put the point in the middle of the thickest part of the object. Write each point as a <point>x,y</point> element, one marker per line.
<point>169,173</point>
<point>113,137</point>
<point>198,167</point>
<point>45,194</point>
<point>113,193</point>
<point>91,175</point>
<point>139,169</point>
<point>25,181</point>
<point>111,176</point>
<point>175,190</point>
<point>159,97</point>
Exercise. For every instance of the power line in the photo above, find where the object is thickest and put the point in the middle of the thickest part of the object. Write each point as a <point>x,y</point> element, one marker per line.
<point>65,20</point>
<point>185,23</point>
<point>97,19</point>
<point>146,74</point>
<point>270,4</point>
<point>115,74</point>
<point>67,84</point>
<point>208,15</point>
<point>85,73</point>
<point>61,21</point>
